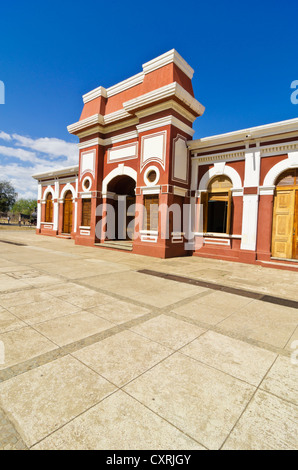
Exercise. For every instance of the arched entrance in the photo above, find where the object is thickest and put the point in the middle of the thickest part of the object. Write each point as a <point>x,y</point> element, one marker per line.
<point>123,187</point>
<point>67,212</point>
<point>285,216</point>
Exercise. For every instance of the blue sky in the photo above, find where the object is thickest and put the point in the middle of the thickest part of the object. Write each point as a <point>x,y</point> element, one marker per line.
<point>51,52</point>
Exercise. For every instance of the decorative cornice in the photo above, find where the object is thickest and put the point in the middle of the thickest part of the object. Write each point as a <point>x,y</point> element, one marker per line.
<point>100,91</point>
<point>173,89</point>
<point>225,156</point>
<point>165,121</point>
<point>279,148</point>
<point>170,104</point>
<point>245,135</point>
<point>169,57</point>
<point>71,170</point>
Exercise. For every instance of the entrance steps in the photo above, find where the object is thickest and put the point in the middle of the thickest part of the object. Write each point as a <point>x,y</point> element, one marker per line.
<point>64,235</point>
<point>116,245</point>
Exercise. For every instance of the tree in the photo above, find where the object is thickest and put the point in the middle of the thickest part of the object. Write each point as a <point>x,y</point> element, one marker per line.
<point>24,206</point>
<point>8,196</point>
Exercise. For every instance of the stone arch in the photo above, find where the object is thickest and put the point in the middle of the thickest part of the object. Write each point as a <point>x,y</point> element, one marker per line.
<point>68,187</point>
<point>119,171</point>
<point>49,190</point>
<point>279,168</point>
<point>221,170</point>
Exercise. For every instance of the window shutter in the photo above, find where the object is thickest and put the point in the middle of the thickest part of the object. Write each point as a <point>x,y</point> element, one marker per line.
<point>229,213</point>
<point>86,212</point>
<point>204,208</point>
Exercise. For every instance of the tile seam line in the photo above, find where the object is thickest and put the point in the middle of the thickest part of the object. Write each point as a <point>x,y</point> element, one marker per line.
<point>248,403</point>
<point>222,288</point>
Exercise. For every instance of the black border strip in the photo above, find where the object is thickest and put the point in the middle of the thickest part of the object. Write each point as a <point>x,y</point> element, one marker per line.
<point>230,290</point>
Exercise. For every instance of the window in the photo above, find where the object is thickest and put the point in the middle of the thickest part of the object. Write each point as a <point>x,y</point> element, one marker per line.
<point>86,212</point>
<point>217,205</point>
<point>150,221</point>
<point>49,209</point>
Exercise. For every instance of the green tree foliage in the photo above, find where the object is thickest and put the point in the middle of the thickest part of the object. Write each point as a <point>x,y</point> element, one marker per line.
<point>24,206</point>
<point>8,196</point>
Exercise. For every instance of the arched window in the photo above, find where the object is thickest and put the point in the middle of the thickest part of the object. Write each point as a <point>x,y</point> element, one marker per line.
<point>49,208</point>
<point>217,205</point>
<point>288,178</point>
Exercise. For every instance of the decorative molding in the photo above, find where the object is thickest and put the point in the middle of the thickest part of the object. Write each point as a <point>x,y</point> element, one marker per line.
<point>129,152</point>
<point>180,162</point>
<point>244,135</point>
<point>169,57</point>
<point>147,190</point>
<point>279,149</point>
<point>119,171</point>
<point>170,104</point>
<point>153,148</point>
<point>227,171</point>
<point>91,143</point>
<point>223,156</point>
<point>87,160</point>
<point>276,170</point>
<point>173,89</point>
<point>165,121</point>
<point>147,171</point>
<point>96,93</point>
<point>217,241</point>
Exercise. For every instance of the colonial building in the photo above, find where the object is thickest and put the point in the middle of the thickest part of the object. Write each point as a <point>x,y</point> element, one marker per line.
<point>232,196</point>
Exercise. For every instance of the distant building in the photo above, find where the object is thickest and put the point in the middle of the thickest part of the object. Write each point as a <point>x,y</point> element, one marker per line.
<point>237,192</point>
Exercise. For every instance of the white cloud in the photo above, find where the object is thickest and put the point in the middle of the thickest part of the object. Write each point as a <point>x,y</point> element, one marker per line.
<point>21,154</point>
<point>35,156</point>
<point>4,136</point>
<point>51,146</point>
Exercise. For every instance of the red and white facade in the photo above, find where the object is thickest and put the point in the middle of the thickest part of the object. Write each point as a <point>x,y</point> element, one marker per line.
<point>136,143</point>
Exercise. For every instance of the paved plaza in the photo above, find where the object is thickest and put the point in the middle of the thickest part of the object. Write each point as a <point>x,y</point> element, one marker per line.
<point>101,356</point>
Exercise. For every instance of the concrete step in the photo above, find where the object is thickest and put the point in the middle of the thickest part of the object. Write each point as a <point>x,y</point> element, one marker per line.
<point>116,245</point>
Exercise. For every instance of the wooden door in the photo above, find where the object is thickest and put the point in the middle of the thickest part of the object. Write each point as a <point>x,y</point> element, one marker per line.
<point>295,231</point>
<point>283,223</point>
<point>67,213</point>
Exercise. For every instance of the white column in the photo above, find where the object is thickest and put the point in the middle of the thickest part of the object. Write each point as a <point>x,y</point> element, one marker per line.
<point>76,206</point>
<point>39,191</point>
<point>56,206</point>
<point>251,201</point>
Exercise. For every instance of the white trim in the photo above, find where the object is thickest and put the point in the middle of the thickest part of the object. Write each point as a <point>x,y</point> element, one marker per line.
<point>149,238</point>
<point>149,232</point>
<point>121,137</point>
<point>276,170</point>
<point>60,172</point>
<point>169,57</point>
<point>91,95</point>
<point>274,128</point>
<point>147,171</point>
<point>66,188</point>
<point>162,158</point>
<point>266,190</point>
<point>147,190</point>
<point>173,89</point>
<point>120,170</point>
<point>216,235</point>
<point>249,222</point>
<point>87,178</point>
<point>170,104</point>
<point>217,241</point>
<point>91,143</point>
<point>223,156</point>
<point>179,191</point>
<point>166,121</point>
<point>218,171</point>
<point>48,190</point>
